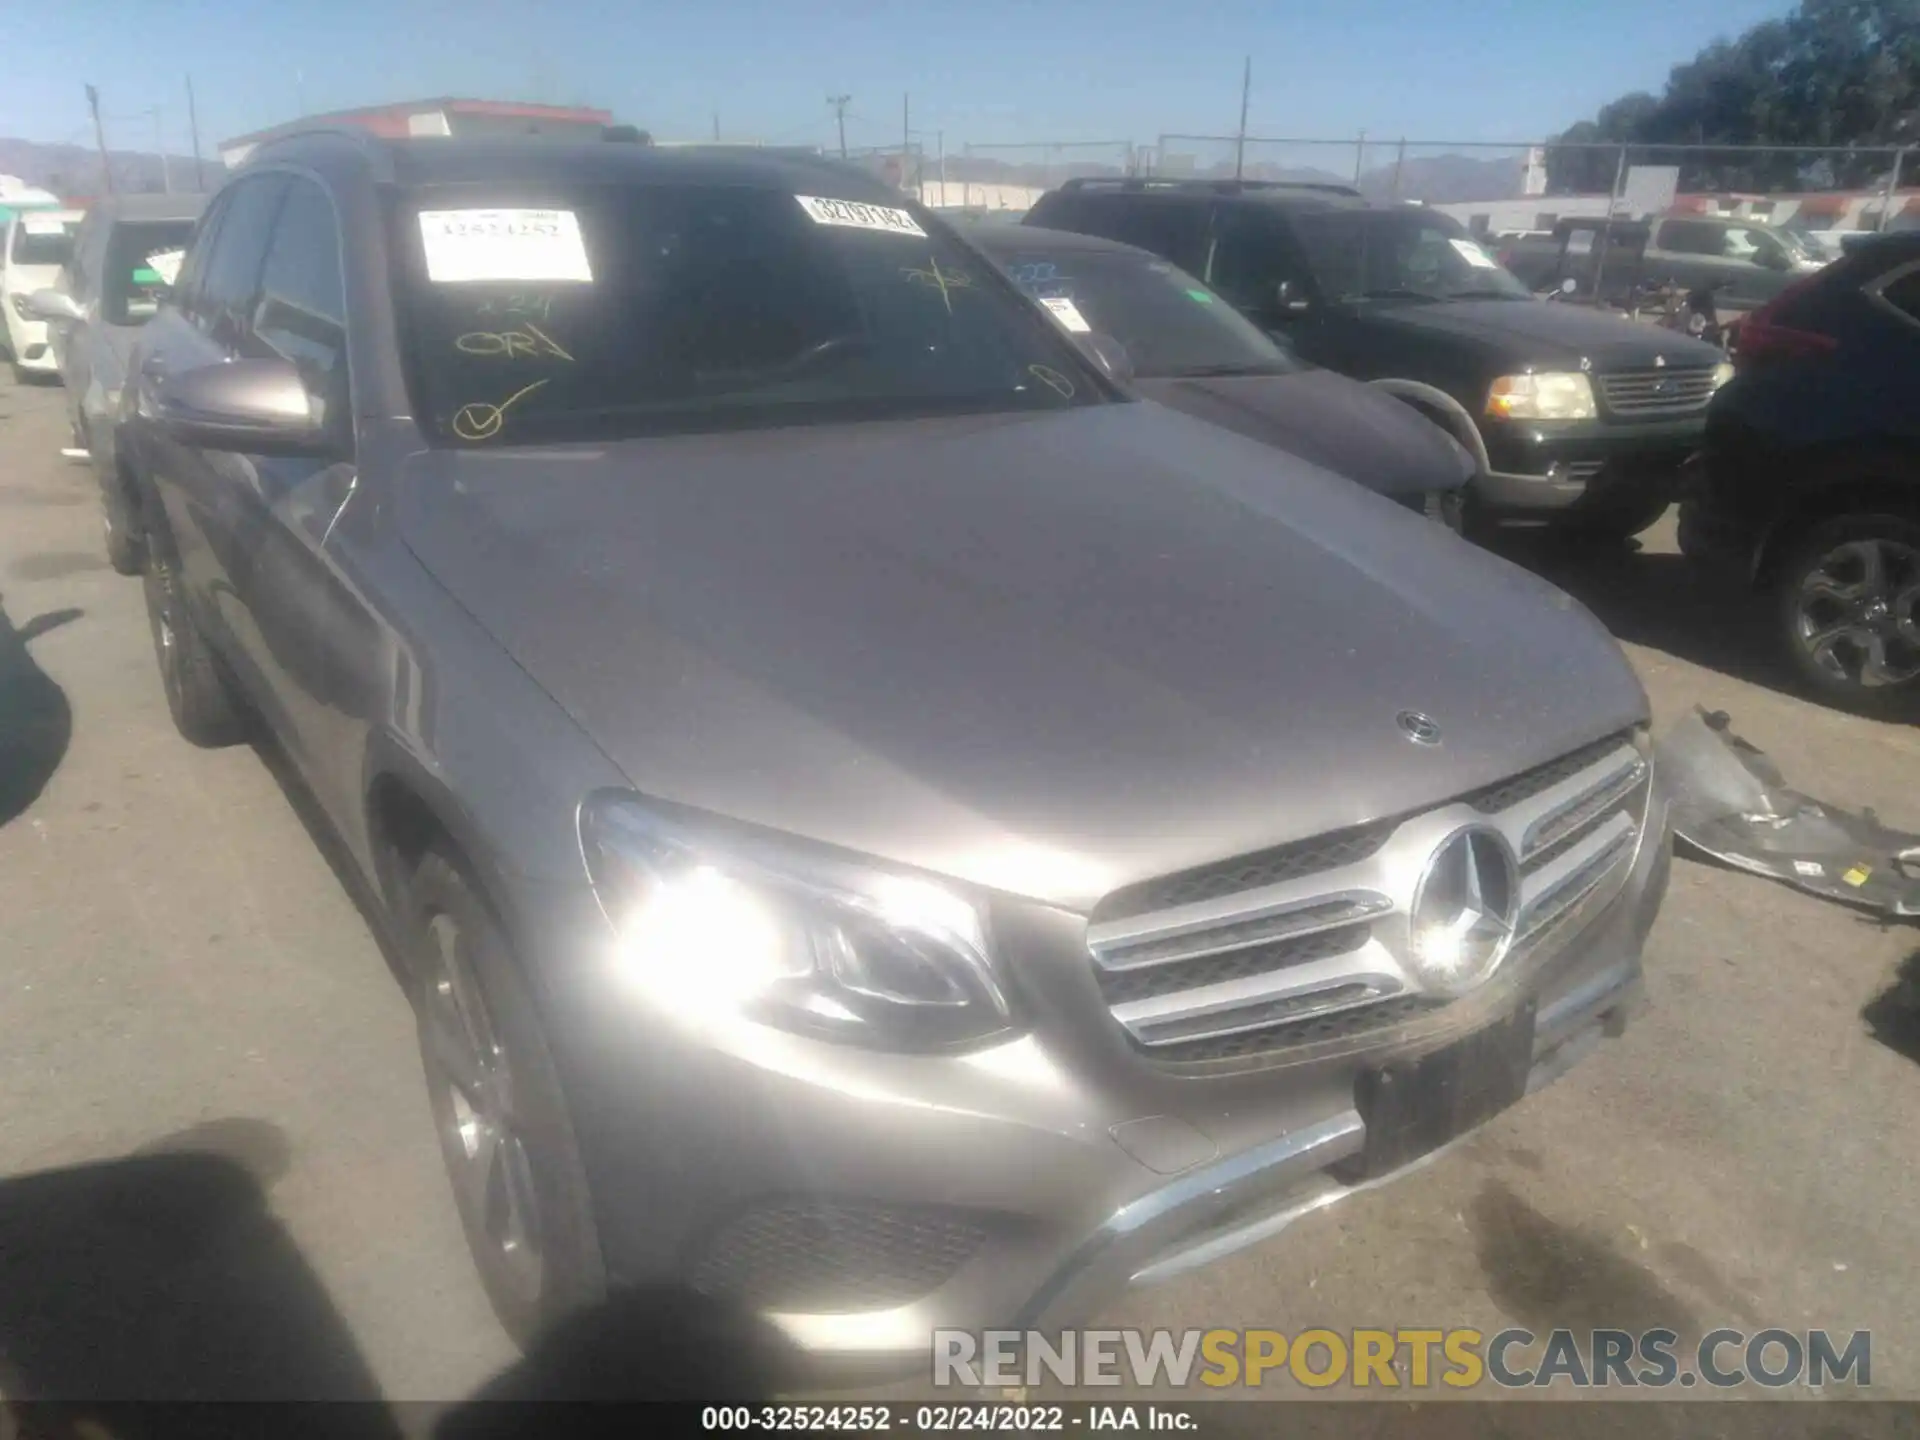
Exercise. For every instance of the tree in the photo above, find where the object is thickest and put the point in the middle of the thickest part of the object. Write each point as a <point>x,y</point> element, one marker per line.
<point>1834,73</point>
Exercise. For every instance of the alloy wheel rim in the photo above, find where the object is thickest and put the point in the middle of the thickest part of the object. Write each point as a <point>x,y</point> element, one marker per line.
<point>163,631</point>
<point>1857,613</point>
<point>492,1167</point>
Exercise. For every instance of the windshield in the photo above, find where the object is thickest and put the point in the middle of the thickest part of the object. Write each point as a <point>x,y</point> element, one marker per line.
<point>1170,323</point>
<point>1400,254</point>
<point>613,310</point>
<point>38,240</point>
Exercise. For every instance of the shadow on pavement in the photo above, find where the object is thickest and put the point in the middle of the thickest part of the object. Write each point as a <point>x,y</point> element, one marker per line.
<point>1663,601</point>
<point>1893,1016</point>
<point>36,721</point>
<point>164,1276</point>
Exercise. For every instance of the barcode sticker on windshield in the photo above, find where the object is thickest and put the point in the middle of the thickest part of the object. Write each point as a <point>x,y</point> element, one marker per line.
<point>1067,313</point>
<point>470,245</point>
<point>857,215</point>
<point>166,264</point>
<point>43,225</point>
<point>1473,255</point>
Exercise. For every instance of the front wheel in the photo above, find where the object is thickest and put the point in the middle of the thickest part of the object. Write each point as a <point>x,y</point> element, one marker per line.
<point>1848,599</point>
<point>198,696</point>
<point>1617,513</point>
<point>504,1130</point>
<point>126,547</point>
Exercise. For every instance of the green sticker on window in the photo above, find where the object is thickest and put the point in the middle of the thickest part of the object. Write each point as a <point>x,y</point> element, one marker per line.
<point>1202,296</point>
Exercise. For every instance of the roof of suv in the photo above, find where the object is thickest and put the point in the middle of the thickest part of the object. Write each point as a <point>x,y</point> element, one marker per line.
<point>1294,194</point>
<point>1002,238</point>
<point>440,160</point>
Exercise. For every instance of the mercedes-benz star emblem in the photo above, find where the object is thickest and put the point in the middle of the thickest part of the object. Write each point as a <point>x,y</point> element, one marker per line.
<point>1421,729</point>
<point>1464,911</point>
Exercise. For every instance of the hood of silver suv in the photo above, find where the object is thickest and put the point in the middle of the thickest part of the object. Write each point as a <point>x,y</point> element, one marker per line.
<point>1049,654</point>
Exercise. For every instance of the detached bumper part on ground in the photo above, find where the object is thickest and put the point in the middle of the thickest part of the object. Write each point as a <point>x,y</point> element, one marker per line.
<point>1732,803</point>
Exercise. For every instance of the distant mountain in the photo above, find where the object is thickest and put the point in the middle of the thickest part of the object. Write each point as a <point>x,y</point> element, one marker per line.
<point>1447,179</point>
<point>75,171</point>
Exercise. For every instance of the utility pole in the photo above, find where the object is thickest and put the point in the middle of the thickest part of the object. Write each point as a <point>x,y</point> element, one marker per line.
<point>906,140</point>
<point>940,145</point>
<point>839,104</point>
<point>193,128</point>
<point>1240,138</point>
<point>100,139</point>
<point>160,147</point>
<point>716,127</point>
<point>1359,157</point>
<point>1399,164</point>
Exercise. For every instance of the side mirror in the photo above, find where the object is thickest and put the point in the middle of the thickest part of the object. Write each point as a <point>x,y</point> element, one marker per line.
<point>257,407</point>
<point>1110,355</point>
<point>53,306</point>
<point>1773,260</point>
<point>1569,286</point>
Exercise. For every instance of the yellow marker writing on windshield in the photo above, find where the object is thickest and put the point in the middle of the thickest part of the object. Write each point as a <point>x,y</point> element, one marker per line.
<point>481,421</point>
<point>1051,378</point>
<point>527,342</point>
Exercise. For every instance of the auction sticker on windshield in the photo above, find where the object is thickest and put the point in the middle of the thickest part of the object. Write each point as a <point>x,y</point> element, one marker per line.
<point>472,245</point>
<point>1067,313</point>
<point>1473,255</point>
<point>43,225</point>
<point>857,215</point>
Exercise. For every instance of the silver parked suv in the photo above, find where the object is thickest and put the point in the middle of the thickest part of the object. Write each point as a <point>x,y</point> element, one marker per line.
<point>874,822</point>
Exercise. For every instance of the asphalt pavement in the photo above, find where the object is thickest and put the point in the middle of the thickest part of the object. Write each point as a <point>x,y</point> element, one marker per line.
<point>217,1176</point>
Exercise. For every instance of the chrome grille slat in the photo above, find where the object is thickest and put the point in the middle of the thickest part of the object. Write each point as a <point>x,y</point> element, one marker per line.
<point>1130,945</point>
<point>1119,986</point>
<point>1659,391</point>
<point>1248,1004</point>
<point>1581,810</point>
<point>1566,881</point>
<point>1312,951</point>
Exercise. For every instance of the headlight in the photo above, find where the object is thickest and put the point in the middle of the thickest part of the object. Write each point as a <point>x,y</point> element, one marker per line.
<point>1550,395</point>
<point>1722,373</point>
<point>714,924</point>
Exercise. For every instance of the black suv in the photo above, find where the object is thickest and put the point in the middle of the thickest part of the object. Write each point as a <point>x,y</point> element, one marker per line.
<point>1811,480</point>
<point>1582,418</point>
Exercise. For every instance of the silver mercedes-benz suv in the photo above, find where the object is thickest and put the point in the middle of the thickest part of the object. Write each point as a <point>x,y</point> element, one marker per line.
<point>877,823</point>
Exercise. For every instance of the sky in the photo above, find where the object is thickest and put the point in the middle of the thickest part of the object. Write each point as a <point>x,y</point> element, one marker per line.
<point>976,71</point>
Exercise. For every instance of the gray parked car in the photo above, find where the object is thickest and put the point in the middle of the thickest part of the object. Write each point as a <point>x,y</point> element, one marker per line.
<point>873,822</point>
<point>1186,347</point>
<point>108,290</point>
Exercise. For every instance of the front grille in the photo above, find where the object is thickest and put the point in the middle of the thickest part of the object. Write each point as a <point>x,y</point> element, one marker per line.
<point>1313,951</point>
<point>1350,1024</point>
<point>1542,778</point>
<point>1663,391</point>
<point>1248,872</point>
<point>815,1257</point>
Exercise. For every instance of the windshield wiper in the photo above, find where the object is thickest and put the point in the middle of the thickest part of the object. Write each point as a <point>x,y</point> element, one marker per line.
<point>1210,372</point>
<point>1487,295</point>
<point>1396,294</point>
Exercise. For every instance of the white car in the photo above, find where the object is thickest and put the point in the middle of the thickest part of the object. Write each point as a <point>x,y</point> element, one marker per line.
<point>38,243</point>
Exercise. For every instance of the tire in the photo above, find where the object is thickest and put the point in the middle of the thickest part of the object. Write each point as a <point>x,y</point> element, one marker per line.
<point>198,697</point>
<point>1826,587</point>
<point>499,1111</point>
<point>126,546</point>
<point>1617,514</point>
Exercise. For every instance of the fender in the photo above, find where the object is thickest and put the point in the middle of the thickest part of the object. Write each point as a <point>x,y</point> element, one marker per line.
<point>1423,396</point>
